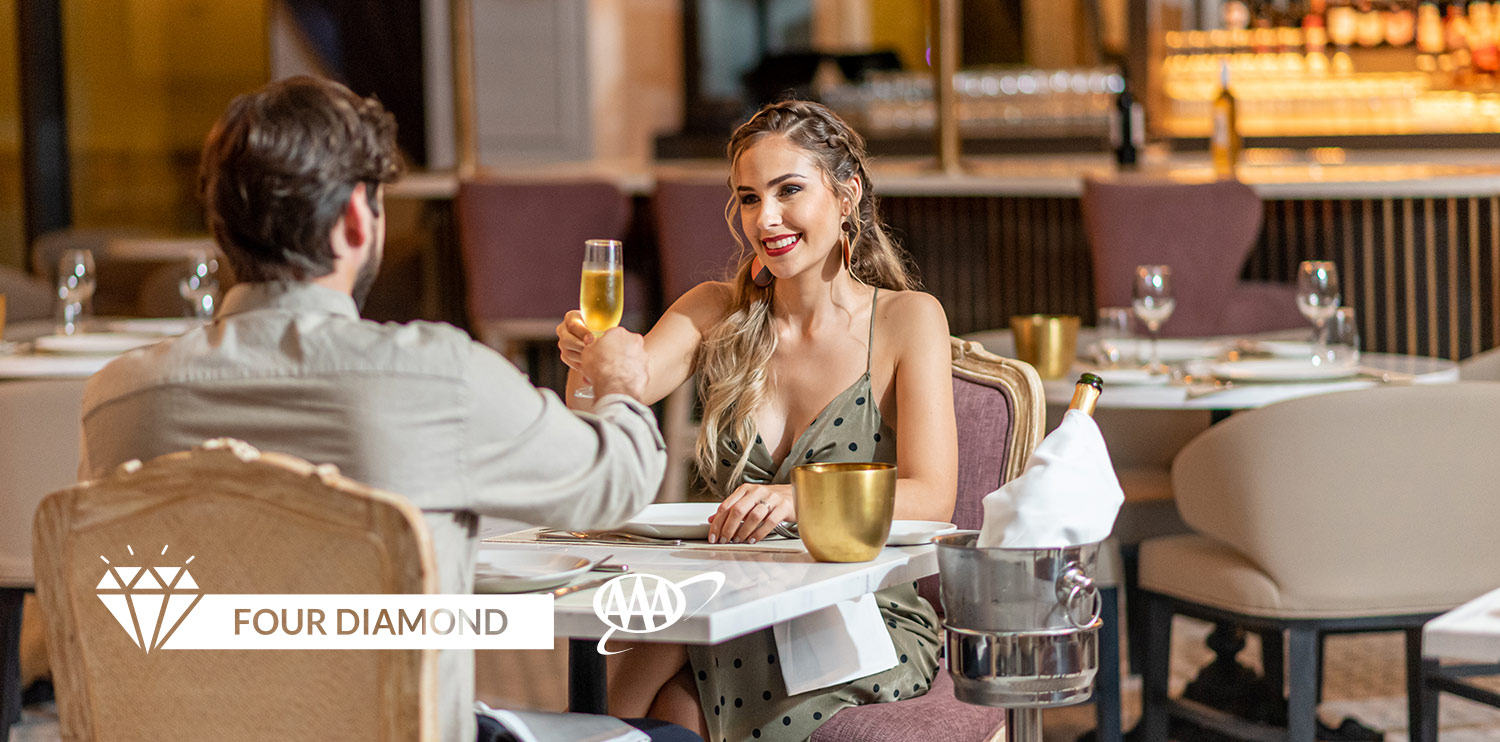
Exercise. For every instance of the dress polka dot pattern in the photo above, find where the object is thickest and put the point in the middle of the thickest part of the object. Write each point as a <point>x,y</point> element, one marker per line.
<point>767,712</point>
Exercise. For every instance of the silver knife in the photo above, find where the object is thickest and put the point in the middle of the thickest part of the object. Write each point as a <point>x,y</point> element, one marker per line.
<point>570,589</point>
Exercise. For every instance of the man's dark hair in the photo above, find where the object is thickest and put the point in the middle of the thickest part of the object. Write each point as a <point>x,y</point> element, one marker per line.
<point>279,167</point>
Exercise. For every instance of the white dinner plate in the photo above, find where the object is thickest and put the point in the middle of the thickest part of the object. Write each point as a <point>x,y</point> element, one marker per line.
<point>913,532</point>
<point>505,571</point>
<point>158,326</point>
<point>1128,376</point>
<point>686,520</point>
<point>1282,370</point>
<point>94,343</point>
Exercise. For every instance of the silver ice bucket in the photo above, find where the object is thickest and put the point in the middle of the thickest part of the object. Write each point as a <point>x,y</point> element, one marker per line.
<point>1022,624</point>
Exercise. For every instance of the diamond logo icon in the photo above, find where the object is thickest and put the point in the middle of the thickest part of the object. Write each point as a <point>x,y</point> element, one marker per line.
<point>148,602</point>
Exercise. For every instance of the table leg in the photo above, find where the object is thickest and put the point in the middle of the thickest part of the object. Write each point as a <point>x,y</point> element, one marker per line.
<point>588,686</point>
<point>10,657</point>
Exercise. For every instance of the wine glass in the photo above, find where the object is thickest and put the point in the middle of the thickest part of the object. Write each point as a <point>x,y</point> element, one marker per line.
<point>76,281</point>
<point>199,285</point>
<point>1153,304</point>
<point>1318,297</point>
<point>601,293</point>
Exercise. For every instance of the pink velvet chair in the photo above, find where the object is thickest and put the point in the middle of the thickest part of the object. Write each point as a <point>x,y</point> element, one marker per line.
<point>1205,232</point>
<point>522,246</point>
<point>1000,420</point>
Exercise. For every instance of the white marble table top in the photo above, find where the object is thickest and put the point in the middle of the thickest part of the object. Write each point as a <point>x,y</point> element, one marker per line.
<point>1468,632</point>
<point>761,588</point>
<point>1166,396</point>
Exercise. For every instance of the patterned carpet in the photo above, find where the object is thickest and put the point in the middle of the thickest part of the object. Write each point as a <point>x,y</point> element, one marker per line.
<point>1364,678</point>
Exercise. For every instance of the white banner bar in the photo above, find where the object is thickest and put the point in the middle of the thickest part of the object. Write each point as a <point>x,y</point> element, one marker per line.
<point>256,621</point>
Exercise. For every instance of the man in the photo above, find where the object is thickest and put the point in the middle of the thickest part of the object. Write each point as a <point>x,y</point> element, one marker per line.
<point>292,179</point>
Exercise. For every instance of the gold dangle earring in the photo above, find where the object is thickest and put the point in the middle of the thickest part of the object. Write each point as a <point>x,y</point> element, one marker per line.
<point>846,238</point>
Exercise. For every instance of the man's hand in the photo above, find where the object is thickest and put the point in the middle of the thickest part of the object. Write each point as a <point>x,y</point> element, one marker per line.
<point>616,363</point>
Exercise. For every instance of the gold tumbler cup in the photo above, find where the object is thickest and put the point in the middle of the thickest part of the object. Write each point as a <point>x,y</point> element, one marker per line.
<point>1047,341</point>
<point>844,510</point>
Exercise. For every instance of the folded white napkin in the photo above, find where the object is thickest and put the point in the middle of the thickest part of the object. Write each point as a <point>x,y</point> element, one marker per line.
<point>842,642</point>
<point>547,726</point>
<point>1067,495</point>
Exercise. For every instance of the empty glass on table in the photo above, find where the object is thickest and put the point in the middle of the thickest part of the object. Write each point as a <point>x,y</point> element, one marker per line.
<point>76,281</point>
<point>1318,297</point>
<point>1343,339</point>
<point>1113,346</point>
<point>1153,303</point>
<point>199,285</point>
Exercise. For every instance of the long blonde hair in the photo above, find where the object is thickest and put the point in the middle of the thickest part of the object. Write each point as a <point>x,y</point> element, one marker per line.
<point>732,360</point>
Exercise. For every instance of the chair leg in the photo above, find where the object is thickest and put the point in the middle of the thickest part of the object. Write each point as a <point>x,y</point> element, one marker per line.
<point>10,657</point>
<point>1135,611</point>
<point>1107,681</point>
<point>1303,673</point>
<point>1421,698</point>
<point>1154,674</point>
<point>1273,661</point>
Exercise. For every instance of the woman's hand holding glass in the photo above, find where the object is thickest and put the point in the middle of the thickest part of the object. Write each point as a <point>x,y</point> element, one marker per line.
<point>751,512</point>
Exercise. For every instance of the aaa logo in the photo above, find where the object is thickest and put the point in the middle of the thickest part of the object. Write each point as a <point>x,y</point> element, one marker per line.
<point>644,603</point>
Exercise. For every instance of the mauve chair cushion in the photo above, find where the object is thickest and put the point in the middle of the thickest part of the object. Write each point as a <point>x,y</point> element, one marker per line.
<point>937,715</point>
<point>522,243</point>
<point>1204,231</point>
<point>692,236</point>
<point>984,414</point>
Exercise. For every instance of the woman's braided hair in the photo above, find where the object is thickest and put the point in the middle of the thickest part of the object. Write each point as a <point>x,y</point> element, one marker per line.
<point>732,360</point>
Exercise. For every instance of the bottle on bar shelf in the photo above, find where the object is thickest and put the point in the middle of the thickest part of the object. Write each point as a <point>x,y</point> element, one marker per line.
<point>1086,394</point>
<point>1224,135</point>
<point>1127,130</point>
<point>1429,28</point>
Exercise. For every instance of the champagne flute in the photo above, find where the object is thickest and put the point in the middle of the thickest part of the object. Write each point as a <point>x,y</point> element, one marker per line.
<point>1153,304</point>
<point>200,283</point>
<point>1318,297</point>
<point>601,294</point>
<point>76,281</point>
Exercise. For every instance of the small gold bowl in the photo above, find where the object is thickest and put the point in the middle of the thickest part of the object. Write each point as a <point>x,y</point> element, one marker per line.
<point>844,510</point>
<point>1048,342</point>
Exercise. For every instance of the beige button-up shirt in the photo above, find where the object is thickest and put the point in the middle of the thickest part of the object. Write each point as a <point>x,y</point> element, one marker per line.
<point>416,409</point>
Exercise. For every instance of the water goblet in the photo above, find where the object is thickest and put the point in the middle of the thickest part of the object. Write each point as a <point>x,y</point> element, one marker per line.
<point>76,281</point>
<point>1153,303</point>
<point>1318,297</point>
<point>199,285</point>
<point>601,293</point>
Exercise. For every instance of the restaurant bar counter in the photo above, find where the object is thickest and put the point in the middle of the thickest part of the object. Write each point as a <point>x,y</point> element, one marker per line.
<point>1415,234</point>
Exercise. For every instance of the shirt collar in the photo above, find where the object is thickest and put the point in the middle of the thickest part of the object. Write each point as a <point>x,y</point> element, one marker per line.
<point>291,296</point>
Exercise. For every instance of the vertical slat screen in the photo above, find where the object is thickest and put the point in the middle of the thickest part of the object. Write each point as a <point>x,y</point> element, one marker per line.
<point>1422,272</point>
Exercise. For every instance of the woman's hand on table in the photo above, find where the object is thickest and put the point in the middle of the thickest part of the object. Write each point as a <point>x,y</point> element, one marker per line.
<point>749,513</point>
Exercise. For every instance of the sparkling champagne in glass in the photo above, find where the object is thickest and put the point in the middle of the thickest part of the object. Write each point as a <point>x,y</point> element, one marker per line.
<point>1318,297</point>
<point>1153,303</point>
<point>601,293</point>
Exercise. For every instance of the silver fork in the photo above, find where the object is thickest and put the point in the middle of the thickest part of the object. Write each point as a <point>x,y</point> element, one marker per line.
<point>560,535</point>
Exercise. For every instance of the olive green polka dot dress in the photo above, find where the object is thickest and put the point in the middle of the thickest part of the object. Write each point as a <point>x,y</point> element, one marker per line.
<point>739,681</point>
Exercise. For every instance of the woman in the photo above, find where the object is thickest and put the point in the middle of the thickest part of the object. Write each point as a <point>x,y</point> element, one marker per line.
<point>818,349</point>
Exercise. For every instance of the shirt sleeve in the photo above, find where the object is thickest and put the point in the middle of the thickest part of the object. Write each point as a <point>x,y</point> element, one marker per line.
<point>532,459</point>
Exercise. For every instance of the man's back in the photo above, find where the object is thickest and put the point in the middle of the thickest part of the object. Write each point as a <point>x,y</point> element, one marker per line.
<point>418,410</point>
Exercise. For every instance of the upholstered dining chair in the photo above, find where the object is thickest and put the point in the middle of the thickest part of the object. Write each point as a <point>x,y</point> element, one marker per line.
<point>241,522</point>
<point>26,296</point>
<point>1481,366</point>
<point>522,247</point>
<point>1369,510</point>
<point>1205,232</point>
<point>38,454</point>
<point>694,245</point>
<point>1000,407</point>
